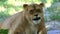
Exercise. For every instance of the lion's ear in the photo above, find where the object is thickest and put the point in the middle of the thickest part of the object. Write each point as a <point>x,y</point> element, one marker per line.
<point>25,6</point>
<point>41,4</point>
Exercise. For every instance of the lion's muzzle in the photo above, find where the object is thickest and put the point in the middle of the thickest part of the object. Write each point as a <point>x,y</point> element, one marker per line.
<point>36,17</point>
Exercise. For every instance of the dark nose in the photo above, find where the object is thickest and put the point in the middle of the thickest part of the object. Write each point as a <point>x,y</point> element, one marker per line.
<point>36,15</point>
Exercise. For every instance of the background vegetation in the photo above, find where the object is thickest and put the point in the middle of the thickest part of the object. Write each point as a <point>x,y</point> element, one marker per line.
<point>10,7</point>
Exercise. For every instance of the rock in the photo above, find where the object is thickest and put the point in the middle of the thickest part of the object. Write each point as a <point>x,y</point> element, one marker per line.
<point>54,32</point>
<point>53,25</point>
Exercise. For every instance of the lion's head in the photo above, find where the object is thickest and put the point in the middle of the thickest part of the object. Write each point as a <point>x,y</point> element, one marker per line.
<point>34,12</point>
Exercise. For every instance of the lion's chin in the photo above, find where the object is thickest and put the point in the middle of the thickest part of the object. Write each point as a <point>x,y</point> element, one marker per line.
<point>36,21</point>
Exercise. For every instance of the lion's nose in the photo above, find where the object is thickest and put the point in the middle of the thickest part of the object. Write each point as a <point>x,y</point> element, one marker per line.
<point>36,15</point>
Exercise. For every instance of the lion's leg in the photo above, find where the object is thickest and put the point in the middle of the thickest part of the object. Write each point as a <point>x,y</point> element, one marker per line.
<point>43,31</point>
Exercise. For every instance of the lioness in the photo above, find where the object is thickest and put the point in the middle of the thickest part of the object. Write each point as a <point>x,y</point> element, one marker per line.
<point>29,21</point>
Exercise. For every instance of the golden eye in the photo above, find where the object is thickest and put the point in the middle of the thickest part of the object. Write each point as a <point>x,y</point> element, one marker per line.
<point>31,11</point>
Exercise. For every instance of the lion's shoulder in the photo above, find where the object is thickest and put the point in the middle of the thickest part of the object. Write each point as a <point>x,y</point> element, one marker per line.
<point>12,19</point>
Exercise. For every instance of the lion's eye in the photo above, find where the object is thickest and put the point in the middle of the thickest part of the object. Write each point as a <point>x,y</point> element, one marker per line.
<point>31,11</point>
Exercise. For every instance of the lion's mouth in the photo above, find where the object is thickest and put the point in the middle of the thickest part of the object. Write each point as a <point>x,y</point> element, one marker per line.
<point>36,19</point>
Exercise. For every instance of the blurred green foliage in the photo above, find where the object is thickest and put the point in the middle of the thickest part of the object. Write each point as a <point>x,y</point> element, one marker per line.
<point>54,10</point>
<point>10,6</point>
<point>4,31</point>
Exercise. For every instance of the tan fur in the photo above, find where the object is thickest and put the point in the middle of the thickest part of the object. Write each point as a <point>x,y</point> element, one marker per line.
<point>21,23</point>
